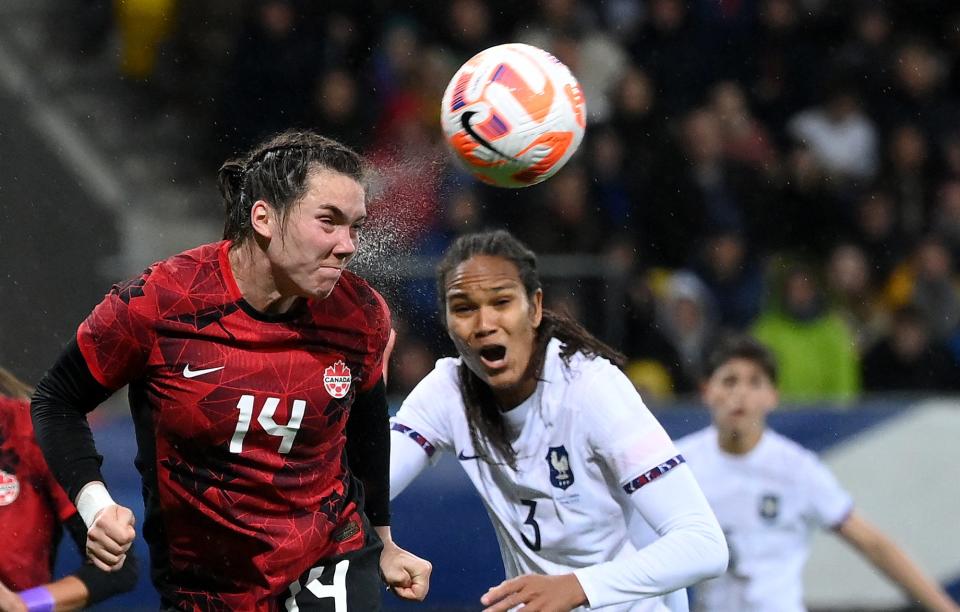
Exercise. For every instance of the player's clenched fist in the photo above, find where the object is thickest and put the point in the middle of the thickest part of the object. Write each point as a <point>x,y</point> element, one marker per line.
<point>110,537</point>
<point>536,594</point>
<point>406,574</point>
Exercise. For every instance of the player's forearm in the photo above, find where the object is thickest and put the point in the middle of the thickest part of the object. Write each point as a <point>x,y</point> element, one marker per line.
<point>59,406</point>
<point>691,546</point>
<point>901,569</point>
<point>368,451</point>
<point>101,585</point>
<point>69,593</point>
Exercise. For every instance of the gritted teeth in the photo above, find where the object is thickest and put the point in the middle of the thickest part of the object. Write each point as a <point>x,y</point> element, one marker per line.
<point>493,353</point>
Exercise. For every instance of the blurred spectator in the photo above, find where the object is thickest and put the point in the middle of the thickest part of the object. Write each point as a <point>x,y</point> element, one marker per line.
<point>143,25</point>
<point>915,96</point>
<point>852,291</point>
<point>669,48</point>
<point>910,358</point>
<point>840,136</point>
<point>336,109</point>
<point>867,53</point>
<point>875,230</point>
<point>909,177</point>
<point>745,140</point>
<point>697,190</point>
<point>638,125</point>
<point>468,29</point>
<point>813,345</point>
<point>946,216</point>
<point>786,63</point>
<point>928,281</point>
<point>686,316</point>
<point>733,276</point>
<point>564,201</point>
<point>809,212</point>
<point>566,29</point>
<point>268,87</point>
<point>654,362</point>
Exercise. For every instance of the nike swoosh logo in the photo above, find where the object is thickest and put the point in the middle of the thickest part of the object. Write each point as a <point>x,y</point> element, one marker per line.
<point>188,373</point>
<point>463,457</point>
<point>465,122</point>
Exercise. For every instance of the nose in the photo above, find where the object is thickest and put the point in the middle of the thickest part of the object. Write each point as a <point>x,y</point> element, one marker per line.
<point>486,321</point>
<point>347,242</point>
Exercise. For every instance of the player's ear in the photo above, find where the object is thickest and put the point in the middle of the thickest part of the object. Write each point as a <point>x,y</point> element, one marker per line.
<point>536,308</point>
<point>262,219</point>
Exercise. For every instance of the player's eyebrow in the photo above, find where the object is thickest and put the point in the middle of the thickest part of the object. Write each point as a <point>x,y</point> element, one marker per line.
<point>337,212</point>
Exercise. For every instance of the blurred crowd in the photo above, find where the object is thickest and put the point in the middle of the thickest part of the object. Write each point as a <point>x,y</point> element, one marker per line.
<point>788,167</point>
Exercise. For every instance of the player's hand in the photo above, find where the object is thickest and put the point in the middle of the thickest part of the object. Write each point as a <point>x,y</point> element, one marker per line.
<point>536,593</point>
<point>10,601</point>
<point>406,574</point>
<point>110,537</point>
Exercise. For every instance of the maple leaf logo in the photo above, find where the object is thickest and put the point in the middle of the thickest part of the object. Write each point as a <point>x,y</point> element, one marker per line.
<point>337,379</point>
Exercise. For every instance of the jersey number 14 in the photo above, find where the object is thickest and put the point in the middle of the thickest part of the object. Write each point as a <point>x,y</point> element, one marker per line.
<point>286,432</point>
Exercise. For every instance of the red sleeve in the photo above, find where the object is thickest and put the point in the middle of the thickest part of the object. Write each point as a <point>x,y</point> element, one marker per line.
<point>379,326</point>
<point>117,337</point>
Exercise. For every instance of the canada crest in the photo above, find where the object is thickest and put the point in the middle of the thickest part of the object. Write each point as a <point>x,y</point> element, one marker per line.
<point>9,488</point>
<point>337,379</point>
<point>561,476</point>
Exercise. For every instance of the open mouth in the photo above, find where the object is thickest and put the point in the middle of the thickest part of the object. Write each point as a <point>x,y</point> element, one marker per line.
<point>493,356</point>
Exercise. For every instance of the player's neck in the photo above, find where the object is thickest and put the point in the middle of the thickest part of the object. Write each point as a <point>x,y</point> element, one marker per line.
<point>256,283</point>
<point>739,442</point>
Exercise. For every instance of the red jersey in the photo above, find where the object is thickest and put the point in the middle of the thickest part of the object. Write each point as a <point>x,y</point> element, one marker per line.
<point>32,504</point>
<point>240,421</point>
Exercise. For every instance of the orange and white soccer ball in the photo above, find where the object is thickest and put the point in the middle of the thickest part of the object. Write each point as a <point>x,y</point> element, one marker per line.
<point>513,115</point>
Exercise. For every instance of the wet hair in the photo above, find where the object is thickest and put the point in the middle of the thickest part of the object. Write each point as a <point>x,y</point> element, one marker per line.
<point>484,414</point>
<point>740,346</point>
<point>276,171</point>
<point>13,387</point>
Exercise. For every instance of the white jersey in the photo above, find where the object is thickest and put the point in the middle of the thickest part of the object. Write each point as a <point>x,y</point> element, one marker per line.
<point>767,501</point>
<point>584,442</point>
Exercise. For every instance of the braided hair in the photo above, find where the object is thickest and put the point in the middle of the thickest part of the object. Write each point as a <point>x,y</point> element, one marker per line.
<point>276,171</point>
<point>484,414</point>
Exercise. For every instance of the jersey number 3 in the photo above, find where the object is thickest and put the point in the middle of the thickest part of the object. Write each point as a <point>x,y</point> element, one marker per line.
<point>286,432</point>
<point>535,545</point>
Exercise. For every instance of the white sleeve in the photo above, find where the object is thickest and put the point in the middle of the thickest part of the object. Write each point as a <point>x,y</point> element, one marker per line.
<point>830,503</point>
<point>420,429</point>
<point>407,460</point>
<point>691,546</point>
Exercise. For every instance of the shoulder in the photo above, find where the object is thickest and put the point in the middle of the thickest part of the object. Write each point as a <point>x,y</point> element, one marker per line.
<point>442,383</point>
<point>790,454</point>
<point>587,379</point>
<point>196,273</point>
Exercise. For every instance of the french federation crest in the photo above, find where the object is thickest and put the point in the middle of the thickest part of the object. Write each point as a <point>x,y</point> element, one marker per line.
<point>9,488</point>
<point>337,379</point>
<point>561,476</point>
<point>769,506</point>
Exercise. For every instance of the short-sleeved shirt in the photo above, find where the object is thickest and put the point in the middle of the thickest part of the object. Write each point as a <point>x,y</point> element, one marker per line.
<point>240,420</point>
<point>32,504</point>
<point>584,443</point>
<point>768,503</point>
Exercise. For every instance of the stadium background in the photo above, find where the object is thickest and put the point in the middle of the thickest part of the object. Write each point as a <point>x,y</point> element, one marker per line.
<point>790,167</point>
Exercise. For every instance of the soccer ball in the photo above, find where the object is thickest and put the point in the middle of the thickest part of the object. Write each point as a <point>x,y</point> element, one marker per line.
<point>513,115</point>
